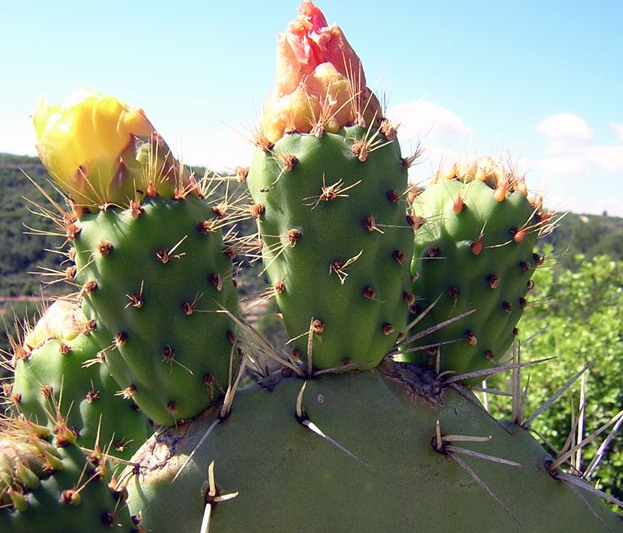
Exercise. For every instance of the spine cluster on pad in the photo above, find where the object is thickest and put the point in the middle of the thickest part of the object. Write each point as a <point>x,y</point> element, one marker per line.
<point>328,181</point>
<point>382,439</point>
<point>48,483</point>
<point>394,300</point>
<point>60,382</point>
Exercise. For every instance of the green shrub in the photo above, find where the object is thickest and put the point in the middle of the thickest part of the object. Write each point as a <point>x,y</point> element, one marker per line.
<point>575,316</point>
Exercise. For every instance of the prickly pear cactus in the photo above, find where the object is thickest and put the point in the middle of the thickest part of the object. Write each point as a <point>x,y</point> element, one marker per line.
<point>156,278</point>
<point>48,483</point>
<point>59,376</point>
<point>384,450</point>
<point>393,446</point>
<point>328,180</point>
<point>472,263</point>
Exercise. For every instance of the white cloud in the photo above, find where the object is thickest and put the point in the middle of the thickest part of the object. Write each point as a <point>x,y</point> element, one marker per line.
<point>562,165</point>
<point>606,157</point>
<point>443,134</point>
<point>578,167</point>
<point>618,129</point>
<point>564,132</point>
<point>571,154</point>
<point>572,149</point>
<point>565,127</point>
<point>420,119</point>
<point>217,149</point>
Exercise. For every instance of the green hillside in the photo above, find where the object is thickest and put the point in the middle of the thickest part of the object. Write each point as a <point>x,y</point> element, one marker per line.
<point>22,245</point>
<point>589,235</point>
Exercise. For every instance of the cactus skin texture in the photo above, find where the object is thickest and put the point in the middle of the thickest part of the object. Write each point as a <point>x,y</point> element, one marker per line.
<point>63,378</point>
<point>394,448</point>
<point>154,275</point>
<point>49,484</point>
<point>289,478</point>
<point>475,251</point>
<point>336,244</point>
<point>155,278</point>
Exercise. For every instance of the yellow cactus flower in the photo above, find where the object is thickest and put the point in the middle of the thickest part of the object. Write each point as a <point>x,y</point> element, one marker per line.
<point>101,151</point>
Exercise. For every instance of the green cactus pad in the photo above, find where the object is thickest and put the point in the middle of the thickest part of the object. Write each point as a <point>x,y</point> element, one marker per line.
<point>336,244</point>
<point>46,486</point>
<point>64,379</point>
<point>389,474</point>
<point>474,253</point>
<point>155,281</point>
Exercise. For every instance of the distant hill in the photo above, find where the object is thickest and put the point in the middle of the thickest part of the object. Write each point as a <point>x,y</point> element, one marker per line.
<point>21,237</point>
<point>590,235</point>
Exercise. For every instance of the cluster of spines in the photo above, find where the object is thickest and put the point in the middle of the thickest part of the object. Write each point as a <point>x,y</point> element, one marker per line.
<point>85,494</point>
<point>57,379</point>
<point>222,200</point>
<point>224,214</point>
<point>503,182</point>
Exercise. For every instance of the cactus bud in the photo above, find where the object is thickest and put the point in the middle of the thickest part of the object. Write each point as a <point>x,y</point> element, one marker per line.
<point>103,152</point>
<point>320,80</point>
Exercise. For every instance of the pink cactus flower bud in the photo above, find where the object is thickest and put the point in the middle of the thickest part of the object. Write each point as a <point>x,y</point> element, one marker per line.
<point>321,85</point>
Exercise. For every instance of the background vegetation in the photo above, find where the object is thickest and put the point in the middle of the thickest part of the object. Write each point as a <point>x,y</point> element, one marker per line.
<point>575,316</point>
<point>22,251</point>
<point>575,313</point>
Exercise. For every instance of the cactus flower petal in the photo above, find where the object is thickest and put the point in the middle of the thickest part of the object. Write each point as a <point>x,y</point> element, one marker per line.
<point>93,147</point>
<point>320,80</point>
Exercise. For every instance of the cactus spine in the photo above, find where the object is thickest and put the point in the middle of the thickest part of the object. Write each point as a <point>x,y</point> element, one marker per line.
<point>48,483</point>
<point>390,451</point>
<point>149,253</point>
<point>59,376</point>
<point>169,344</point>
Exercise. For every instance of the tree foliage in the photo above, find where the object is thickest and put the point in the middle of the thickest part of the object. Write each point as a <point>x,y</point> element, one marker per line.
<point>576,317</point>
<point>589,235</point>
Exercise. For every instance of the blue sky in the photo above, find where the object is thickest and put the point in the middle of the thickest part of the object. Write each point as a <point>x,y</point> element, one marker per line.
<point>541,80</point>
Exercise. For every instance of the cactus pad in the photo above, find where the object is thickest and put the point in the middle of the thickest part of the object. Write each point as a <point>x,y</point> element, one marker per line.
<point>49,484</point>
<point>336,245</point>
<point>474,253</point>
<point>155,281</point>
<point>63,378</point>
<point>380,467</point>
